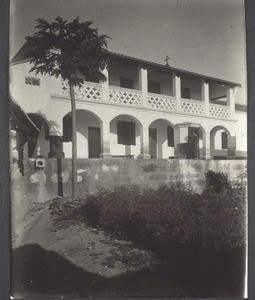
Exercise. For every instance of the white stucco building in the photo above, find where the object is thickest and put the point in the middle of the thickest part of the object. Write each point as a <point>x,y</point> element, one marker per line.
<point>143,110</point>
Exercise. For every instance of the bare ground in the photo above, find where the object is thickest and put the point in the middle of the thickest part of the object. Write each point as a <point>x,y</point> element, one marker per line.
<point>54,255</point>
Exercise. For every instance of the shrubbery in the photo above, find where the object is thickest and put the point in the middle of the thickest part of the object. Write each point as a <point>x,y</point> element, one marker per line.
<point>217,181</point>
<point>173,217</point>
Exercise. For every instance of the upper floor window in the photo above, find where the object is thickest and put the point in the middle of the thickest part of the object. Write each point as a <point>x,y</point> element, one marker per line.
<point>154,87</point>
<point>32,80</point>
<point>185,92</point>
<point>127,83</point>
<point>126,132</point>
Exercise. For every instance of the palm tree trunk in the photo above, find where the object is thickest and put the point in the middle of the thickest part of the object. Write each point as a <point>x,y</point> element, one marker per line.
<point>74,141</point>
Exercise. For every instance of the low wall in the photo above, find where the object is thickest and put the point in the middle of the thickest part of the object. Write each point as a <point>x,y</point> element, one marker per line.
<point>93,174</point>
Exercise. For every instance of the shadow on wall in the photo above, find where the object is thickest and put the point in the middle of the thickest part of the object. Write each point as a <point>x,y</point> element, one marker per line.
<point>53,126</point>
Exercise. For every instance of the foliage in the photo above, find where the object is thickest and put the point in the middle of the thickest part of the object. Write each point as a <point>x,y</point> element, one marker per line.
<point>73,50</point>
<point>172,217</point>
<point>223,218</point>
<point>68,49</point>
<point>217,181</point>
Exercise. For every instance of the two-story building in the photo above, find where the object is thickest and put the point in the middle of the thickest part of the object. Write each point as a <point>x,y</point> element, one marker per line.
<point>143,110</point>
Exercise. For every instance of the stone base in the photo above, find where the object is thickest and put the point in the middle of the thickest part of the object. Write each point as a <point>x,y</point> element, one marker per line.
<point>231,153</point>
<point>206,157</point>
<point>105,155</point>
<point>144,156</point>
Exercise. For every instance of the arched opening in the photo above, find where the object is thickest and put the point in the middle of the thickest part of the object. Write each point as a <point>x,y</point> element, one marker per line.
<point>161,139</point>
<point>88,134</point>
<point>125,136</point>
<point>39,145</point>
<point>190,141</point>
<point>196,142</point>
<point>219,136</point>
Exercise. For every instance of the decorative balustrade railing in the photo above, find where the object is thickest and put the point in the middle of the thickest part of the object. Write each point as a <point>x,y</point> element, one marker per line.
<point>161,102</point>
<point>219,111</point>
<point>90,91</point>
<point>192,107</point>
<point>119,95</point>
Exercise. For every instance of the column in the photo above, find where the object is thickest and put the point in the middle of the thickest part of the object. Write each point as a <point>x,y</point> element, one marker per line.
<point>105,140</point>
<point>56,147</point>
<point>145,152</point>
<point>177,91</point>
<point>105,85</point>
<point>231,100</point>
<point>181,136</point>
<point>143,84</point>
<point>205,95</point>
<point>231,147</point>
<point>207,145</point>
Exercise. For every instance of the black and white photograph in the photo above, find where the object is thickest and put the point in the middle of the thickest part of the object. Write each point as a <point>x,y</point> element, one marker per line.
<point>128,149</point>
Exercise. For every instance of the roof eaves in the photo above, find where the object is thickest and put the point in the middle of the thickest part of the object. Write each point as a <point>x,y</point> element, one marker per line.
<point>22,56</point>
<point>21,110</point>
<point>171,69</point>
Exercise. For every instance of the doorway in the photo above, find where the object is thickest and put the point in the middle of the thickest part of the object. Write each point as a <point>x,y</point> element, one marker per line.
<point>153,142</point>
<point>94,142</point>
<point>193,143</point>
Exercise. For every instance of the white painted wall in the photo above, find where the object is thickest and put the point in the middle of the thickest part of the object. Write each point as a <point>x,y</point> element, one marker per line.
<point>84,120</point>
<point>37,98</point>
<point>33,99</point>
<point>218,140</point>
<point>241,131</point>
<point>43,146</point>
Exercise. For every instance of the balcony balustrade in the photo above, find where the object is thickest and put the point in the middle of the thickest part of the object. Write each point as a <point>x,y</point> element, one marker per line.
<point>124,96</point>
<point>161,102</point>
<point>94,92</point>
<point>192,107</point>
<point>219,111</point>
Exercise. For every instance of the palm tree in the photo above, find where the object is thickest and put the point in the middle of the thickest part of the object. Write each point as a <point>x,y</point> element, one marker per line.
<point>69,50</point>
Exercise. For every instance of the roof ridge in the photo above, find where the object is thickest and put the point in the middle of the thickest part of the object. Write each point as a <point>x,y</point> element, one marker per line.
<point>22,56</point>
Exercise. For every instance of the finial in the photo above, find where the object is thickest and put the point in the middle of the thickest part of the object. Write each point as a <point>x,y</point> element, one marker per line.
<point>166,60</point>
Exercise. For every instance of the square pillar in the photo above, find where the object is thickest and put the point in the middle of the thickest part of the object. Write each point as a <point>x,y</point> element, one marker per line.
<point>105,140</point>
<point>207,146</point>
<point>205,95</point>
<point>231,93</point>
<point>105,85</point>
<point>231,147</point>
<point>177,91</point>
<point>56,147</point>
<point>181,135</point>
<point>145,151</point>
<point>143,84</point>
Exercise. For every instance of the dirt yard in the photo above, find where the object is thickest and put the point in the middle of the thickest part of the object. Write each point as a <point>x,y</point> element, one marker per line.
<point>60,256</point>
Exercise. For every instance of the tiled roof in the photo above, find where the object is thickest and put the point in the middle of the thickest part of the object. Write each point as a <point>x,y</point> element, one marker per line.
<point>22,55</point>
<point>18,112</point>
<point>168,69</point>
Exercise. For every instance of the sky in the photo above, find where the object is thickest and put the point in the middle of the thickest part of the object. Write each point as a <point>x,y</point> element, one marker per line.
<point>201,36</point>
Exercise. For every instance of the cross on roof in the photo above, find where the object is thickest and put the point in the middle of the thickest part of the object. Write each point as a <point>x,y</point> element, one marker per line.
<point>166,60</point>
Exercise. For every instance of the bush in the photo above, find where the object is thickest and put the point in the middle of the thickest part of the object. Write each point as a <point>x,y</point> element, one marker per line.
<point>217,181</point>
<point>173,218</point>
